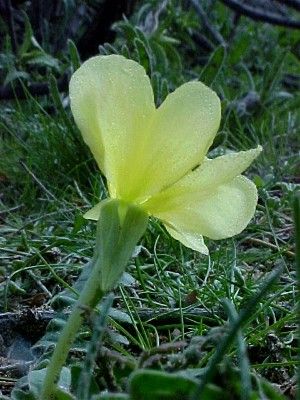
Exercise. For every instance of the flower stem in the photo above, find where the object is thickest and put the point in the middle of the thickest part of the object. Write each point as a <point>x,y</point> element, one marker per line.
<point>89,297</point>
<point>119,228</point>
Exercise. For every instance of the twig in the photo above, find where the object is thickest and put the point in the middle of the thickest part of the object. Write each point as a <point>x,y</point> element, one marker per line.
<point>11,25</point>
<point>259,15</point>
<point>165,348</point>
<point>7,383</point>
<point>16,367</point>
<point>235,22</point>
<point>152,20</point>
<point>215,34</point>
<point>165,315</point>
<point>11,319</point>
<point>271,246</point>
<point>38,181</point>
<point>291,3</point>
<point>40,284</point>
<point>202,41</point>
<point>11,91</point>
<point>8,210</point>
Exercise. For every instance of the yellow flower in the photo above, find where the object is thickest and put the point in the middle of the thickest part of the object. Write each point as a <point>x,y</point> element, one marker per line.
<point>155,157</point>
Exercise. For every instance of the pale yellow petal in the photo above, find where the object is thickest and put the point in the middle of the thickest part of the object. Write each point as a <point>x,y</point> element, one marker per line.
<point>189,239</point>
<point>213,172</point>
<point>112,102</point>
<point>139,149</point>
<point>203,181</point>
<point>176,140</point>
<point>219,214</point>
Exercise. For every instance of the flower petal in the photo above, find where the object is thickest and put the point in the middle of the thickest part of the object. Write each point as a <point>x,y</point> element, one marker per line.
<point>192,240</point>
<point>112,101</point>
<point>203,181</point>
<point>139,149</point>
<point>216,171</point>
<point>218,214</point>
<point>177,139</point>
<point>210,200</point>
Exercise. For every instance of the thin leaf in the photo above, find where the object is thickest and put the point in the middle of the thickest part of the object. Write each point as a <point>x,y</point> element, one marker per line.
<point>27,38</point>
<point>74,55</point>
<point>213,67</point>
<point>242,353</point>
<point>241,321</point>
<point>297,239</point>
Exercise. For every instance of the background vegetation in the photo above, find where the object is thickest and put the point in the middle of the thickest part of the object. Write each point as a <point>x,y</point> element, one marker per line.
<point>173,306</point>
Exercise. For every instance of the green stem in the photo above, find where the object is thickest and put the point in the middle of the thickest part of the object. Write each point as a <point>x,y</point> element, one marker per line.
<point>119,228</point>
<point>89,297</point>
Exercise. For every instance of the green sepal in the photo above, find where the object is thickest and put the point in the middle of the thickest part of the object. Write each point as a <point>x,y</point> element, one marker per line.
<point>119,228</point>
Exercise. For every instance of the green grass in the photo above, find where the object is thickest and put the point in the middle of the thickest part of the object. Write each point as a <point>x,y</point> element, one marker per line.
<point>48,179</point>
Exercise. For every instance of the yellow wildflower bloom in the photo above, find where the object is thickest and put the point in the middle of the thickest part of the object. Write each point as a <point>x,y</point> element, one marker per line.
<point>155,157</point>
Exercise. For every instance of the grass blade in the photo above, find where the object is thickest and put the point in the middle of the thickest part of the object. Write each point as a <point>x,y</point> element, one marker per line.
<point>93,349</point>
<point>241,321</point>
<point>242,353</point>
<point>297,240</point>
